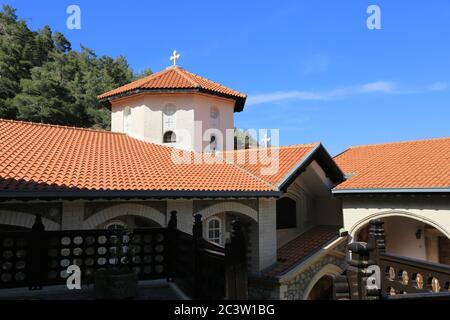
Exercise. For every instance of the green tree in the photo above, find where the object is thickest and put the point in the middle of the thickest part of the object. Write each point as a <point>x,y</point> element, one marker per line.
<point>42,79</point>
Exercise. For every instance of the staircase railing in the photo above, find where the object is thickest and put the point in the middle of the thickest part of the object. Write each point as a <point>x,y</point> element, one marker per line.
<point>374,274</point>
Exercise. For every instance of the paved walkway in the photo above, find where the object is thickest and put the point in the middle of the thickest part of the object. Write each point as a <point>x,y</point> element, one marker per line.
<point>147,290</point>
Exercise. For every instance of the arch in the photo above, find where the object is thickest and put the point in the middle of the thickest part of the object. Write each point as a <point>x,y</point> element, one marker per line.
<point>214,224</point>
<point>396,213</point>
<point>227,207</point>
<point>123,210</point>
<point>327,270</point>
<point>26,220</point>
<point>169,137</point>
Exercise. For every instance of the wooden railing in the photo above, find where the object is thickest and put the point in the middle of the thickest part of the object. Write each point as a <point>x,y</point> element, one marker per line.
<point>202,270</point>
<point>405,275</point>
<point>374,274</point>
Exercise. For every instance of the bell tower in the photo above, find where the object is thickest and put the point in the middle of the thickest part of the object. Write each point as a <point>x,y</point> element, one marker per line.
<point>176,108</point>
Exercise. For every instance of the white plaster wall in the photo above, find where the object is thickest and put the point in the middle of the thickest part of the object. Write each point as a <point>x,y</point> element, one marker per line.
<point>401,237</point>
<point>147,117</point>
<point>202,107</point>
<point>26,220</point>
<point>124,209</point>
<point>72,215</point>
<point>328,211</point>
<point>435,211</point>
<point>184,208</point>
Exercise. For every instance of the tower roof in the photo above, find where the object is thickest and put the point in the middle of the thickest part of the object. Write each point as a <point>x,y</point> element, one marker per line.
<point>173,79</point>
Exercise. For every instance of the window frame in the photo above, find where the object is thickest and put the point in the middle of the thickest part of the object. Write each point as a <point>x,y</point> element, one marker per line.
<point>171,140</point>
<point>218,228</point>
<point>286,222</point>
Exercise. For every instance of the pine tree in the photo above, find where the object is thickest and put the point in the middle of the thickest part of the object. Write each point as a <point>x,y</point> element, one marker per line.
<point>42,79</point>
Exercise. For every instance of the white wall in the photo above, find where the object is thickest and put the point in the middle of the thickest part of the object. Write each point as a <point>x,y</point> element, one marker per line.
<point>184,208</point>
<point>401,237</point>
<point>147,116</point>
<point>315,203</point>
<point>435,211</point>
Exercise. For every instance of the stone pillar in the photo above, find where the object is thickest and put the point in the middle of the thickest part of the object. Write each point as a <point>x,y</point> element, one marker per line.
<point>264,254</point>
<point>184,209</point>
<point>72,215</point>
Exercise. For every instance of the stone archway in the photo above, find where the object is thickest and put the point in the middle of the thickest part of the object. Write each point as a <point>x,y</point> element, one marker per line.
<point>354,230</point>
<point>408,234</point>
<point>25,220</point>
<point>122,210</point>
<point>328,270</point>
<point>229,207</point>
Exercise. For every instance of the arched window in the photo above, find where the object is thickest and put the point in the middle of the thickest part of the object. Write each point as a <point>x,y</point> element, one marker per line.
<point>286,213</point>
<point>170,137</point>
<point>213,143</point>
<point>116,225</point>
<point>126,120</point>
<point>214,114</point>
<point>170,109</point>
<point>214,231</point>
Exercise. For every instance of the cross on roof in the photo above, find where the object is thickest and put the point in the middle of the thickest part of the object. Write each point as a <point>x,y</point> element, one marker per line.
<point>265,141</point>
<point>175,56</point>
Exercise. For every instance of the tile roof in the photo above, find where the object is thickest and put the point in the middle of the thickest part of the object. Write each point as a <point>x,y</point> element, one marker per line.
<point>302,247</point>
<point>258,161</point>
<point>177,78</point>
<point>421,164</point>
<point>41,157</point>
<point>46,157</point>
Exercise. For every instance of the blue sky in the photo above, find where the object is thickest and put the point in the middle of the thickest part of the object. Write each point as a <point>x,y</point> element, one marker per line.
<point>310,68</point>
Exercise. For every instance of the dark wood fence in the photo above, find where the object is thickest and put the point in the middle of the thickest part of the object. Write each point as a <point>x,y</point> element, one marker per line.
<point>201,269</point>
<point>374,274</point>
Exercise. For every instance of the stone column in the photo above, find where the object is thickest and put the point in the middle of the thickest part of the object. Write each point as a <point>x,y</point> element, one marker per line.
<point>264,236</point>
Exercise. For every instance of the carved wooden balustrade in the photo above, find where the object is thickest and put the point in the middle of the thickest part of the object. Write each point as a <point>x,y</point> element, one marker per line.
<point>201,269</point>
<point>374,274</point>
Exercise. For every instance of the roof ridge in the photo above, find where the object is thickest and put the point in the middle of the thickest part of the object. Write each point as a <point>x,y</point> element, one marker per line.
<point>181,71</point>
<point>151,77</point>
<point>60,126</point>
<point>396,142</point>
<point>291,146</point>
<point>206,79</point>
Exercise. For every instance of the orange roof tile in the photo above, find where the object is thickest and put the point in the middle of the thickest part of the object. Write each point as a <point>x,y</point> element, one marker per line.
<point>422,164</point>
<point>302,247</point>
<point>258,161</point>
<point>47,157</point>
<point>176,78</point>
<point>41,157</point>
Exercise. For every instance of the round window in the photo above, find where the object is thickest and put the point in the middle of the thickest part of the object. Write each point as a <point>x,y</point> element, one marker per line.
<point>214,112</point>
<point>170,109</point>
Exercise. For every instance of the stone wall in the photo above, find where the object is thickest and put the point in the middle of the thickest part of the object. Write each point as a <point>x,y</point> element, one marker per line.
<point>295,288</point>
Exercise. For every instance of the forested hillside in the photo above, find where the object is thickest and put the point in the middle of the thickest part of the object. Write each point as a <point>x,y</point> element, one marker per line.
<point>43,80</point>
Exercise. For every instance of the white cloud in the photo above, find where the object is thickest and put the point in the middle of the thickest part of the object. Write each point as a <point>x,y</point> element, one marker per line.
<point>380,87</point>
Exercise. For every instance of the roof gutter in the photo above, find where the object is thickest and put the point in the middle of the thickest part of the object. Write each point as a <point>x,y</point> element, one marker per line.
<point>238,107</point>
<point>392,190</point>
<point>94,194</point>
